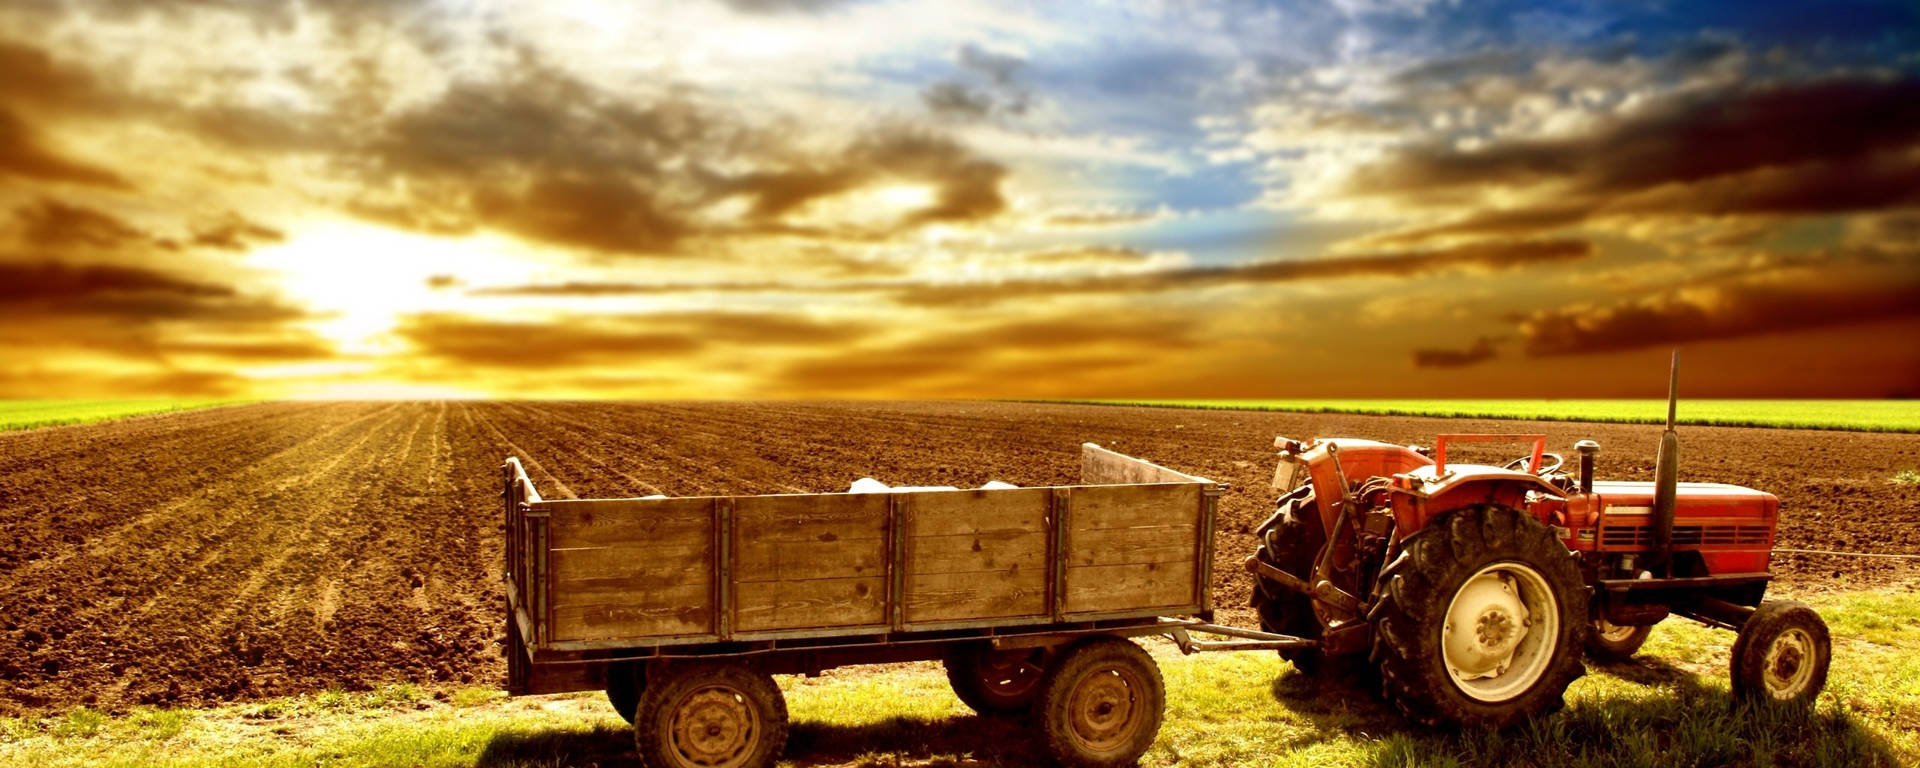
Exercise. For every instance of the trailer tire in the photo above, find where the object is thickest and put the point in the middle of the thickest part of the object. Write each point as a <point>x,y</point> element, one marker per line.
<point>1497,570</point>
<point>1607,641</point>
<point>1781,654</point>
<point>995,683</point>
<point>625,681</point>
<point>1290,541</point>
<point>710,715</point>
<point>1102,704</point>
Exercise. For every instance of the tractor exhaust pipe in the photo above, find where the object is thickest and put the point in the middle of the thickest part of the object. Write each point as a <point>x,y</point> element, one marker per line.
<point>1666,480</point>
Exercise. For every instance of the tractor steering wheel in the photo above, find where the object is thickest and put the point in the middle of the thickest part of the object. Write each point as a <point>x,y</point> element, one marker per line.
<point>1549,462</point>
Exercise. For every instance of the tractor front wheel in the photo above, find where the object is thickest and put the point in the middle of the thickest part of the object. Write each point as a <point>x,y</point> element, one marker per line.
<point>1480,621</point>
<point>1781,654</point>
<point>1290,541</point>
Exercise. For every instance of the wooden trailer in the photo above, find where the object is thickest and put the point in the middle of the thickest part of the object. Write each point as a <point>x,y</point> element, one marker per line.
<point>681,607</point>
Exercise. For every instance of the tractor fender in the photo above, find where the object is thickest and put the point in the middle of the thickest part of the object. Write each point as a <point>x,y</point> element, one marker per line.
<point>1420,495</point>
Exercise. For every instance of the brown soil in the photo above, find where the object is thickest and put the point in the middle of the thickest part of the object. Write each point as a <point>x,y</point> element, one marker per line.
<point>290,547</point>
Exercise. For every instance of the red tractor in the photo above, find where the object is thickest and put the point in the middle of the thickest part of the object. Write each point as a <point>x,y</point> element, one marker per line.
<point>1474,589</point>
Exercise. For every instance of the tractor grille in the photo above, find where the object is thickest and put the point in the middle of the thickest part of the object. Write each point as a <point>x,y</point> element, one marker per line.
<point>1687,535</point>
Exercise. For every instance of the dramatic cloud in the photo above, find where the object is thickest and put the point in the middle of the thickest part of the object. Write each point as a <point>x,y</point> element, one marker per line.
<point>1815,147</point>
<point>832,197</point>
<point>1481,351</point>
<point>1759,301</point>
<point>1496,255</point>
<point>596,340</point>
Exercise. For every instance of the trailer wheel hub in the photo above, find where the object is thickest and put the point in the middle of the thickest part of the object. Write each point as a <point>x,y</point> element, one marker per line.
<point>1103,709</point>
<point>1787,671</point>
<point>714,728</point>
<point>1500,630</point>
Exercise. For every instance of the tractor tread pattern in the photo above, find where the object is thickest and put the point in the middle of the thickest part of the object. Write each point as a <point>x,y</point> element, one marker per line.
<point>1410,603</point>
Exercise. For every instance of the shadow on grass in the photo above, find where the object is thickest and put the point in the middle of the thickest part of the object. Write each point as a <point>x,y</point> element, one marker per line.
<point>604,745</point>
<point>954,741</point>
<point>1679,721</point>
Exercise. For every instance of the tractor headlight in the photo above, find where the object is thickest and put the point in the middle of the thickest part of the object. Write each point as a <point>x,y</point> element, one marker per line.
<point>1289,473</point>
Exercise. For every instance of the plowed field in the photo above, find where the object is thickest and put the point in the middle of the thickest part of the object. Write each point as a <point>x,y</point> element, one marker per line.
<point>287,547</point>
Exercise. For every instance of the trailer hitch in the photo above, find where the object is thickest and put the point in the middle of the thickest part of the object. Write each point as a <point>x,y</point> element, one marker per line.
<point>1245,639</point>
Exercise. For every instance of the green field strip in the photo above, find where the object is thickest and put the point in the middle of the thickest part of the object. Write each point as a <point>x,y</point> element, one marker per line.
<point>31,414</point>
<point>1851,415</point>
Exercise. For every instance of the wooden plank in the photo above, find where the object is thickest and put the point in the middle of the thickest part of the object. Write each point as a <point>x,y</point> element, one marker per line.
<point>760,560</point>
<point>1132,506</point>
<point>636,568</point>
<point>957,596</point>
<point>944,513</point>
<point>817,603</point>
<point>1099,466</point>
<point>628,521</point>
<point>1109,588</point>
<point>822,517</point>
<point>668,611</point>
<point>985,552</point>
<point>1125,546</point>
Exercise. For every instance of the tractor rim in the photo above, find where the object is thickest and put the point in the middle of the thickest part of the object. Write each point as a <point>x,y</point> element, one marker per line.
<point>1501,631</point>
<point>714,727</point>
<point>1010,674</point>
<point>1613,633</point>
<point>1105,711</point>
<point>1789,664</point>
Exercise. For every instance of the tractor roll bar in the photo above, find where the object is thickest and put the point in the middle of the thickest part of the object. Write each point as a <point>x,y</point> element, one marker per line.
<point>1440,448</point>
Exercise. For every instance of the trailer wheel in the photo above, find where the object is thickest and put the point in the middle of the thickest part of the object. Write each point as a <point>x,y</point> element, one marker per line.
<point>1607,641</point>
<point>1781,654</point>
<point>711,715</point>
<point>1290,541</point>
<point>1480,620</point>
<point>996,682</point>
<point>1101,704</point>
<point>624,684</point>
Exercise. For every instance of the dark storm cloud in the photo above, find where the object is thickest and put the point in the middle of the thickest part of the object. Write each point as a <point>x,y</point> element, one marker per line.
<point>1799,294</point>
<point>589,339</point>
<point>1813,147</point>
<point>1481,351</point>
<point>36,381</point>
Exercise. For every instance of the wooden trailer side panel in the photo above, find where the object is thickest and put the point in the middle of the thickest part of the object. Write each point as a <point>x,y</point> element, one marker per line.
<point>630,568</point>
<point>975,555</point>
<point>816,561</point>
<point>1132,547</point>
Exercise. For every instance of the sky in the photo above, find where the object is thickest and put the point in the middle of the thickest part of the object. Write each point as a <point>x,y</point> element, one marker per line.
<point>843,198</point>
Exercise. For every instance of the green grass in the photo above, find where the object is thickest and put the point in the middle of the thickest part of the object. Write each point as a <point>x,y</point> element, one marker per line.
<point>1856,415</point>
<point>28,414</point>
<point>1667,708</point>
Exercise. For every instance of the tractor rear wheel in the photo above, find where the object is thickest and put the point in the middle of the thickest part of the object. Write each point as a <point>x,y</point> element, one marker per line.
<point>1290,542</point>
<point>1480,621</point>
<point>1781,654</point>
<point>996,682</point>
<point>1607,641</point>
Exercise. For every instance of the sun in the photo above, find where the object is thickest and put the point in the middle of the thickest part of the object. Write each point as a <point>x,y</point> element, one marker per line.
<point>360,281</point>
